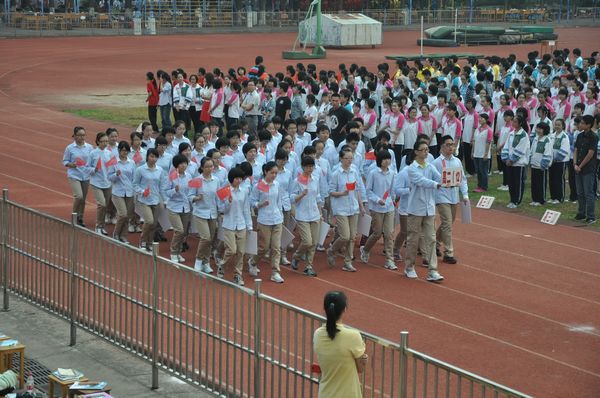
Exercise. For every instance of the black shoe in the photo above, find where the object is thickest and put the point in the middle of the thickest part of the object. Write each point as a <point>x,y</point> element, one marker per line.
<point>579,217</point>
<point>80,222</point>
<point>438,252</point>
<point>449,260</point>
<point>425,263</point>
<point>184,246</point>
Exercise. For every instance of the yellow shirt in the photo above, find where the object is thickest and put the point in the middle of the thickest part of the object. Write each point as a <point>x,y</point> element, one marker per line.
<point>339,377</point>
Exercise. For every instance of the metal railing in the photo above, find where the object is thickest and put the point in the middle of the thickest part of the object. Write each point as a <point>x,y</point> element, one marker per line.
<point>229,340</point>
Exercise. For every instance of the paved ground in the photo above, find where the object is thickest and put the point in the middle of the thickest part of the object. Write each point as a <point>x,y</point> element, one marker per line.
<point>47,340</point>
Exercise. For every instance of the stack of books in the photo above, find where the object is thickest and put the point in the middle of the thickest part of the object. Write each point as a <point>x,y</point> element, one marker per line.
<point>88,385</point>
<point>8,343</point>
<point>67,374</point>
<point>97,395</point>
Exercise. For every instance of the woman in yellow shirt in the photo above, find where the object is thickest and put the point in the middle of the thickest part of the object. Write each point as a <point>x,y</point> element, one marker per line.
<point>340,352</point>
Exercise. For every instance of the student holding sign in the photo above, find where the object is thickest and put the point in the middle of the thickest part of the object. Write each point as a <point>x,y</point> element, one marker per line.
<point>379,192</point>
<point>448,196</point>
<point>75,159</point>
<point>267,199</point>
<point>347,193</point>
<point>424,180</point>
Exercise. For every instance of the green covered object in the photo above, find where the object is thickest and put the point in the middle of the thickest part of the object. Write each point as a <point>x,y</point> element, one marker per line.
<point>534,29</point>
<point>440,32</point>
<point>438,43</point>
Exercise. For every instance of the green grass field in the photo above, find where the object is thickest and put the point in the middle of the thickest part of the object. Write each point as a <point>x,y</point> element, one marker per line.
<point>132,117</point>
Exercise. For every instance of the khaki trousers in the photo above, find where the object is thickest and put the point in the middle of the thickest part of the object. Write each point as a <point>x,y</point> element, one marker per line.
<point>80,190</point>
<point>309,238</point>
<point>102,200</point>
<point>235,247</point>
<point>443,235</point>
<point>344,244</point>
<point>180,223</point>
<point>125,210</point>
<point>269,237</point>
<point>207,230</point>
<point>150,216</point>
<point>382,224</point>
<point>402,234</point>
<point>416,226</point>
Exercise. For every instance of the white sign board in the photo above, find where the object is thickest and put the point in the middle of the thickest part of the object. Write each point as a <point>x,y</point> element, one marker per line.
<point>550,217</point>
<point>485,202</point>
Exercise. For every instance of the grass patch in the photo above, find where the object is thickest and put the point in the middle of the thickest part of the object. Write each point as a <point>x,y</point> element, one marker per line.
<point>132,117</point>
<point>129,117</point>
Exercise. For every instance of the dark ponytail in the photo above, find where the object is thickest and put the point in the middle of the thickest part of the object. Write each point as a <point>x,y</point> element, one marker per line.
<point>334,304</point>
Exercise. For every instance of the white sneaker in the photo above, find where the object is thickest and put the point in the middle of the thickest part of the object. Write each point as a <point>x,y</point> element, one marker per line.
<point>220,272</point>
<point>503,188</point>
<point>237,279</point>
<point>284,260</point>
<point>138,228</point>
<point>101,231</point>
<point>348,268</point>
<point>175,258</point>
<point>198,265</point>
<point>107,220</point>
<point>535,204</point>
<point>434,276</point>
<point>181,258</point>
<point>253,270</point>
<point>114,220</point>
<point>410,273</point>
<point>131,228</point>
<point>364,256</point>
<point>511,205</point>
<point>275,277</point>
<point>206,268</point>
<point>320,248</point>
<point>390,265</point>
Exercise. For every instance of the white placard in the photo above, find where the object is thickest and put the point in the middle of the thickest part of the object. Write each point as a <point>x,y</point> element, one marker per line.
<point>465,212</point>
<point>550,217</point>
<point>364,224</point>
<point>323,231</point>
<point>485,202</point>
<point>291,223</point>
<point>286,237</point>
<point>220,233</point>
<point>252,243</point>
<point>451,176</point>
<point>163,218</point>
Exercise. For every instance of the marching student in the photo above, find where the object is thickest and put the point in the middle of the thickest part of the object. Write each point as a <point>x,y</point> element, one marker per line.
<point>347,193</point>
<point>284,178</point>
<point>379,187</point>
<point>137,151</point>
<point>448,195</point>
<point>307,197</point>
<point>237,221</point>
<point>515,154</point>
<point>540,160</point>
<point>99,179</point>
<point>121,177</point>
<point>424,181</point>
<point>267,198</point>
<point>561,155</point>
<point>76,158</point>
<point>203,195</point>
<point>149,182</point>
<point>178,205</point>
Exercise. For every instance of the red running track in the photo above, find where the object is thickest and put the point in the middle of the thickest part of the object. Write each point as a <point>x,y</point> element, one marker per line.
<point>522,307</point>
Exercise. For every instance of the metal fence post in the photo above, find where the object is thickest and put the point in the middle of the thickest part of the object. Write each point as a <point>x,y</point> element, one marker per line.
<point>154,315</point>
<point>73,279</point>
<point>4,250</point>
<point>403,363</point>
<point>257,336</point>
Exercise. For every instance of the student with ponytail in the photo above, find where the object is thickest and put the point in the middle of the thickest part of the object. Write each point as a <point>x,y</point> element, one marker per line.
<point>340,351</point>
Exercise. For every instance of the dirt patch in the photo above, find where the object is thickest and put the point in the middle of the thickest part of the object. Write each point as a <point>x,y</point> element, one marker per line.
<point>123,98</point>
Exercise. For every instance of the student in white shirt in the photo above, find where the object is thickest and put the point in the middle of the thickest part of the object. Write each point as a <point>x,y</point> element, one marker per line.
<point>75,159</point>
<point>99,179</point>
<point>178,204</point>
<point>236,224</point>
<point>121,177</point>
<point>561,157</point>
<point>311,115</point>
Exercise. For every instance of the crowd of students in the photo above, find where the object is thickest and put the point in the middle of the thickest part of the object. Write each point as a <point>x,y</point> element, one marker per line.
<point>253,151</point>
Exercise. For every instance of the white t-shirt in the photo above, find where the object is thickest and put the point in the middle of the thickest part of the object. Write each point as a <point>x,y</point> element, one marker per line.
<point>311,112</point>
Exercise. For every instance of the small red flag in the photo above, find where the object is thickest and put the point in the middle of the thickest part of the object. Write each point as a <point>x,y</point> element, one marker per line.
<point>222,164</point>
<point>173,174</point>
<point>137,157</point>
<point>386,194</point>
<point>80,162</point>
<point>351,186</point>
<point>229,152</point>
<point>302,179</point>
<point>194,159</point>
<point>370,155</point>
<point>262,150</point>
<point>146,192</point>
<point>315,368</point>
<point>111,162</point>
<point>263,186</point>
<point>195,183</point>
<point>224,192</point>
<point>99,164</point>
